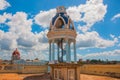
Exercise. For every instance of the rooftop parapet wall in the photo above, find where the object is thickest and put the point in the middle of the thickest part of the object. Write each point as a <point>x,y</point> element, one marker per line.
<point>23,69</point>
<point>106,70</point>
<point>62,33</point>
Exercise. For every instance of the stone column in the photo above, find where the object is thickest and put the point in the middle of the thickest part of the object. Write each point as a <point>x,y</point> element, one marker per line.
<point>58,52</point>
<point>75,58</point>
<point>53,51</point>
<point>62,51</point>
<point>49,51</point>
<point>67,51</point>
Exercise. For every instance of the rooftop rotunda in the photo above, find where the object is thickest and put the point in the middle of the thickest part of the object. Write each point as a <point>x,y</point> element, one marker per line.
<point>61,36</point>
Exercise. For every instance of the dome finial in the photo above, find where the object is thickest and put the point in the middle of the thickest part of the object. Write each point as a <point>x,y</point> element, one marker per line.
<point>61,9</point>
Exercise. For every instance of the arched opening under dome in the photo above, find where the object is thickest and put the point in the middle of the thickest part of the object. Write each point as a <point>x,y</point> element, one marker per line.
<point>59,23</point>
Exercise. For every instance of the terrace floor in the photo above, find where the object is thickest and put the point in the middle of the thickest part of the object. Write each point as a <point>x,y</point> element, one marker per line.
<point>13,76</point>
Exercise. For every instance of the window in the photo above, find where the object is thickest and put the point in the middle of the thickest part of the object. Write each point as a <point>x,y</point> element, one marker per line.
<point>71,74</point>
<point>57,74</point>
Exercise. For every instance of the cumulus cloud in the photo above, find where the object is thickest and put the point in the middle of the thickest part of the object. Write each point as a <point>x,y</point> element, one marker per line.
<point>107,54</point>
<point>20,36</point>
<point>32,55</point>
<point>27,40</point>
<point>5,55</point>
<point>21,26</point>
<point>94,11</point>
<point>74,13</point>
<point>44,17</point>
<point>115,17</point>
<point>7,41</point>
<point>112,36</point>
<point>90,13</point>
<point>19,23</point>
<point>4,4</point>
<point>93,39</point>
<point>34,45</point>
<point>42,36</point>
<point>5,17</point>
<point>19,31</point>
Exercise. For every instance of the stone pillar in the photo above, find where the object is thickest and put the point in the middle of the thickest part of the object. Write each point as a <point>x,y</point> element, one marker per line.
<point>49,51</point>
<point>67,51</point>
<point>53,51</point>
<point>58,52</point>
<point>75,58</point>
<point>62,51</point>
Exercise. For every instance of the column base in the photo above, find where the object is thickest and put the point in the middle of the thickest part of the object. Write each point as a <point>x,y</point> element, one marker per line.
<point>53,62</point>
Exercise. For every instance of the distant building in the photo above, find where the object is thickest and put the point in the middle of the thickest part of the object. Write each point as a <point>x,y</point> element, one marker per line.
<point>16,55</point>
<point>17,60</point>
<point>6,62</point>
<point>30,62</point>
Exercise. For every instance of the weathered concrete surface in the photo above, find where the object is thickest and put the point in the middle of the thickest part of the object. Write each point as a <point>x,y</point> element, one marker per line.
<point>12,76</point>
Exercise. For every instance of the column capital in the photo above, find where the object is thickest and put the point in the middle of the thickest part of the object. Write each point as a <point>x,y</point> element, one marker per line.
<point>53,41</point>
<point>66,39</point>
<point>74,41</point>
<point>50,41</point>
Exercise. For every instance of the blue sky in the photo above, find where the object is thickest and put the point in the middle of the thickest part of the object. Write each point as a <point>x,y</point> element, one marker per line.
<point>24,25</point>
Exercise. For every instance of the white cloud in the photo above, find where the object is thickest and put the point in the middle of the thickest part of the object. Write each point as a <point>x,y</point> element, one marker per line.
<point>42,41</point>
<point>44,17</point>
<point>83,28</point>
<point>119,37</point>
<point>5,17</point>
<point>94,11</point>
<point>112,36</point>
<point>27,39</point>
<point>79,56</point>
<point>6,54</point>
<point>90,13</point>
<point>20,36</point>
<point>7,41</point>
<point>32,55</point>
<point>20,24</point>
<point>93,39</point>
<point>42,36</point>
<point>74,13</point>
<point>115,17</point>
<point>105,54</point>
<point>4,4</point>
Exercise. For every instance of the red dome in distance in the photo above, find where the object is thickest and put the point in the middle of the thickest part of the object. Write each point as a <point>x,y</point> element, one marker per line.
<point>16,52</point>
<point>16,55</point>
